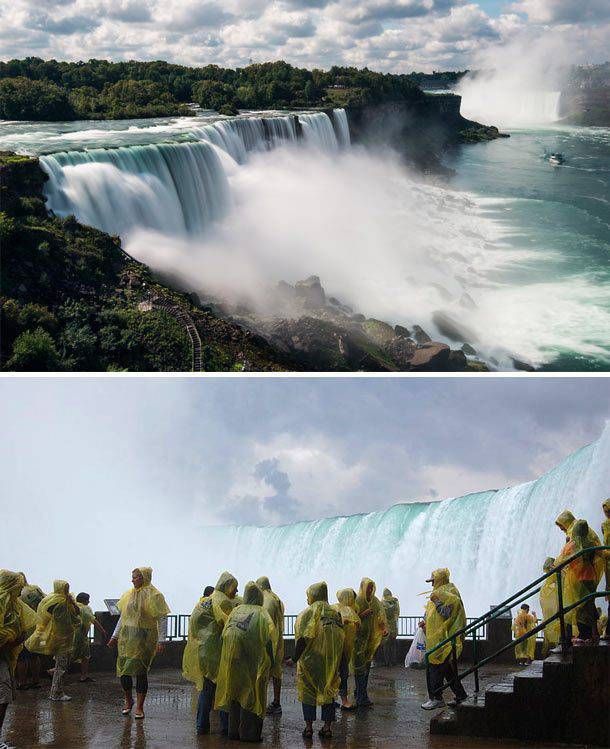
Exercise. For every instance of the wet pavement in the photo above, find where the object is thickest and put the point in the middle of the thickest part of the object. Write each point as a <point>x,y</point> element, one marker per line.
<point>93,717</point>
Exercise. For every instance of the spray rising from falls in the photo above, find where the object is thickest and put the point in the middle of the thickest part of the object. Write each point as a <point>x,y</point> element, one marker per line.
<point>493,542</point>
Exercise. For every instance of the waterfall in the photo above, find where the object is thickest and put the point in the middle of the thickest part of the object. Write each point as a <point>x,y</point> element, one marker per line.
<point>174,188</point>
<point>342,127</point>
<point>494,542</point>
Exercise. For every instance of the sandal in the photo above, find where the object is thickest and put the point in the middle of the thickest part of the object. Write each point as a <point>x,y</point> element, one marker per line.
<point>126,710</point>
<point>138,716</point>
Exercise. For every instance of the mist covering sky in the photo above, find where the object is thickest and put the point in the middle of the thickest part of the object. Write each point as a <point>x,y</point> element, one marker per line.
<point>100,475</point>
<point>388,35</point>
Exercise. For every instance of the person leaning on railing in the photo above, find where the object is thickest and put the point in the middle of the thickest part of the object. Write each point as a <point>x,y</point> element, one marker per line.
<point>581,577</point>
<point>549,604</point>
<point>444,616</point>
<point>606,536</point>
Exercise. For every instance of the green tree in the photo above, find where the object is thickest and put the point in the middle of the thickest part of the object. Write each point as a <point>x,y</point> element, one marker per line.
<point>34,351</point>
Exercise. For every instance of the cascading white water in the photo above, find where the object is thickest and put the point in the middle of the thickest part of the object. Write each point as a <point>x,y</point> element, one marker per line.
<point>493,542</point>
<point>341,127</point>
<point>175,188</point>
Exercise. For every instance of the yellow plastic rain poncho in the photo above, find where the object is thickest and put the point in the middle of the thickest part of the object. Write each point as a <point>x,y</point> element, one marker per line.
<point>275,608</point>
<point>549,604</point>
<point>32,595</point>
<point>82,648</point>
<point>141,609</point>
<point>16,618</point>
<point>202,652</point>
<point>606,537</point>
<point>581,576</point>
<point>58,618</point>
<point>565,521</point>
<point>346,606</point>
<point>318,667</point>
<point>524,622</point>
<point>248,642</point>
<point>444,616</point>
<point>372,627</point>
<point>601,624</point>
<point>391,608</point>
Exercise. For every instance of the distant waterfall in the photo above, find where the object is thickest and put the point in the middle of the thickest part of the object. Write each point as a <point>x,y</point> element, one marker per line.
<point>175,188</point>
<point>493,542</point>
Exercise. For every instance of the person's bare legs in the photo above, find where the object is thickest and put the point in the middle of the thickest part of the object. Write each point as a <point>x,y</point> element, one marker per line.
<point>140,697</point>
<point>35,671</point>
<point>3,708</point>
<point>21,674</point>
<point>277,690</point>
<point>84,669</point>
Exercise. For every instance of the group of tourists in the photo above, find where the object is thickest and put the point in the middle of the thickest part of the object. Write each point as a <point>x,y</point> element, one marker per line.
<point>585,623</point>
<point>235,643</point>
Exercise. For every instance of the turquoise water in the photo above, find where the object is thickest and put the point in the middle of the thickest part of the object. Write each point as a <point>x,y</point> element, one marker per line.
<point>560,217</point>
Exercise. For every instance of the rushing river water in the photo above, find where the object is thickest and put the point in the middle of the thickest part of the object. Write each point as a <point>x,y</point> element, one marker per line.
<point>513,249</point>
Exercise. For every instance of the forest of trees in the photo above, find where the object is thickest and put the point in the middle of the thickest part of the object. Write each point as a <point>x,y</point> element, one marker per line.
<point>36,89</point>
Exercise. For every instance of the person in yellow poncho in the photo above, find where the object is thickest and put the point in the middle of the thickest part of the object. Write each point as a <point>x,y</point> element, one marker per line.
<point>58,619</point>
<point>204,646</point>
<point>16,621</point>
<point>139,634</point>
<point>249,641</point>
<point>82,649</point>
<point>605,633</point>
<point>391,608</point>
<point>372,630</point>
<point>549,603</point>
<point>565,521</point>
<point>319,642</point>
<point>524,622</point>
<point>28,664</point>
<point>444,617</point>
<point>580,578</point>
<point>602,621</point>
<point>346,606</point>
<point>275,608</point>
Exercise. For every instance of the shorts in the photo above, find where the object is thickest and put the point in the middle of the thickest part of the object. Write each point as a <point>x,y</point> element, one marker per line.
<point>25,655</point>
<point>7,684</point>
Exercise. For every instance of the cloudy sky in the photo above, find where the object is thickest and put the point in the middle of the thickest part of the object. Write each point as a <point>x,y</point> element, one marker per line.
<point>270,451</point>
<point>389,35</point>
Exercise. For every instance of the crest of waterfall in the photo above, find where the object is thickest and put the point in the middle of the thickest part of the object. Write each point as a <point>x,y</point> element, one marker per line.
<point>174,188</point>
<point>493,542</point>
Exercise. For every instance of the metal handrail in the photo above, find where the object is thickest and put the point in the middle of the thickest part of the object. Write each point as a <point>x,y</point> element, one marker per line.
<point>501,608</point>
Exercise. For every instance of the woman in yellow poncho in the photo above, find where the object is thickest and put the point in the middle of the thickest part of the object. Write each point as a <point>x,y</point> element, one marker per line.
<point>319,642</point>
<point>27,672</point>
<point>580,578</point>
<point>58,619</point>
<point>524,622</point>
<point>549,603</point>
<point>16,621</point>
<point>372,630</point>
<point>275,608</point>
<point>140,634</point>
<point>204,645</point>
<point>346,606</point>
<point>444,616</point>
<point>391,609</point>
<point>605,632</point>
<point>248,644</point>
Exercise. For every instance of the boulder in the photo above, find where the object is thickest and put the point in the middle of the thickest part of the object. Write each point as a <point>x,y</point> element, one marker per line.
<point>401,351</point>
<point>310,292</point>
<point>521,365</point>
<point>402,332</point>
<point>453,329</point>
<point>457,361</point>
<point>469,350</point>
<point>430,357</point>
<point>420,335</point>
<point>378,331</point>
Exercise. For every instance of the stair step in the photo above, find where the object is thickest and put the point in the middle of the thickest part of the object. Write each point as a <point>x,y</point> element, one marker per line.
<point>444,724</point>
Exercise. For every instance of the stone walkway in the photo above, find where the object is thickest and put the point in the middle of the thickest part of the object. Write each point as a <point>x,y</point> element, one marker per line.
<point>93,719</point>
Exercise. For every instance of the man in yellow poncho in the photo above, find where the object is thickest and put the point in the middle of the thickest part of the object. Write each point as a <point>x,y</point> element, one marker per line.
<point>391,609</point>
<point>248,643</point>
<point>444,617</point>
<point>580,578</point>
<point>565,521</point>
<point>82,649</point>
<point>346,606</point>
<point>16,621</point>
<point>58,619</point>
<point>319,641</point>
<point>28,664</point>
<point>372,630</point>
<point>605,633</point>
<point>524,622</point>
<point>204,646</point>
<point>549,603</point>
<point>140,634</point>
<point>275,608</point>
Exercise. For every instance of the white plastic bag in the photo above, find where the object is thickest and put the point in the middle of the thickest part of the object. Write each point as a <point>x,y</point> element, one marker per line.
<point>417,651</point>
